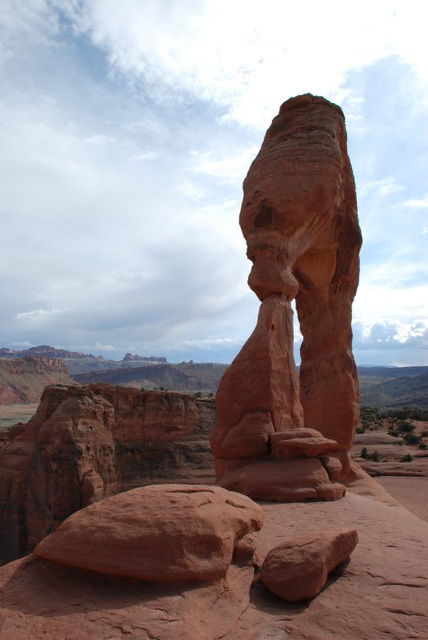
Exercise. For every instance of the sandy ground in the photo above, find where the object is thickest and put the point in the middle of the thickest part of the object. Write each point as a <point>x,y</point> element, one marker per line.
<point>12,413</point>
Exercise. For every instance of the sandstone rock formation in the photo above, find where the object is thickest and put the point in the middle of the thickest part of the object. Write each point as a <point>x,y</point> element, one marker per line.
<point>22,380</point>
<point>86,443</point>
<point>300,223</point>
<point>381,594</point>
<point>298,568</point>
<point>160,533</point>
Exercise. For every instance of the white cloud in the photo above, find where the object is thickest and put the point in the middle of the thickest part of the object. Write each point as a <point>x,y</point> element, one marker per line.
<point>230,169</point>
<point>416,203</point>
<point>246,56</point>
<point>385,333</point>
<point>381,188</point>
<point>123,150</point>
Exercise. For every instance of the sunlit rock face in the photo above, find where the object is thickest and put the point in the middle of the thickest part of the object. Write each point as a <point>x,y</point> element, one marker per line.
<point>299,219</point>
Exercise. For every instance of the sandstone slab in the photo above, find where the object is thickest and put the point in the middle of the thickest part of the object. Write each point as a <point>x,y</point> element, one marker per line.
<point>277,480</point>
<point>380,595</point>
<point>287,447</point>
<point>158,533</point>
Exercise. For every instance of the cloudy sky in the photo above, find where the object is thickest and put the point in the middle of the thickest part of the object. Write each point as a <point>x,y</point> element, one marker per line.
<point>126,129</point>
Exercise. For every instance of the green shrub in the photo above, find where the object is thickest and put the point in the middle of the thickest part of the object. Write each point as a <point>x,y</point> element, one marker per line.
<point>375,456</point>
<point>406,458</point>
<point>197,394</point>
<point>422,445</point>
<point>364,453</point>
<point>405,426</point>
<point>410,438</point>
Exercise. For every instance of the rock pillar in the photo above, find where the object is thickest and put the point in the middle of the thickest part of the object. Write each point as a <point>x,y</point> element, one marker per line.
<point>300,223</point>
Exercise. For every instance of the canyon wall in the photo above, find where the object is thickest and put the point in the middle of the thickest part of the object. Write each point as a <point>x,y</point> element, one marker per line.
<point>22,380</point>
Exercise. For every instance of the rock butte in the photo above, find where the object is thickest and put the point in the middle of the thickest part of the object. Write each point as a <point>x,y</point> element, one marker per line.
<point>299,219</point>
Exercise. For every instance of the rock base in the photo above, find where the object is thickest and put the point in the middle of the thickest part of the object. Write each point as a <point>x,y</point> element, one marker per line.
<point>297,469</point>
<point>294,480</point>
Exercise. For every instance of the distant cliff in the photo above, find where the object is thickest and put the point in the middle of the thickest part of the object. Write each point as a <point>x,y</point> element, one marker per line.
<point>22,380</point>
<point>186,376</point>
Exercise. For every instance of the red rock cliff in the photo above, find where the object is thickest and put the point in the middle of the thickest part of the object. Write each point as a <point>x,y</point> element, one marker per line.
<point>22,380</point>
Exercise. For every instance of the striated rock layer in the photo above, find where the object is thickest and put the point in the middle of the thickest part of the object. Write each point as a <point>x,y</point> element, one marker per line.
<point>300,223</point>
<point>22,380</point>
<point>86,443</point>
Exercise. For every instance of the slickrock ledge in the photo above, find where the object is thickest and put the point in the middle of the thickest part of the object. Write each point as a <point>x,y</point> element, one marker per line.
<point>380,595</point>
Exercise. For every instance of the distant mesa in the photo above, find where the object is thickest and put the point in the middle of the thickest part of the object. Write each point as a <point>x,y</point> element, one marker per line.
<point>46,351</point>
<point>136,358</point>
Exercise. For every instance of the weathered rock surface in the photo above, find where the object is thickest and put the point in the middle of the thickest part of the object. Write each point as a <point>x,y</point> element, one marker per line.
<point>380,595</point>
<point>293,481</point>
<point>298,568</point>
<point>22,380</point>
<point>299,220</point>
<point>86,443</point>
<point>159,533</point>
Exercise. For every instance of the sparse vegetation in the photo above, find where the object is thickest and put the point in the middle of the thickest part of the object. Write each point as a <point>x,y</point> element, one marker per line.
<point>406,458</point>
<point>411,438</point>
<point>405,426</point>
<point>414,413</point>
<point>374,457</point>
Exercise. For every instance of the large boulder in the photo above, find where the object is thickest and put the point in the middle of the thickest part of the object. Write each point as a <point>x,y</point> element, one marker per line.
<point>158,533</point>
<point>298,569</point>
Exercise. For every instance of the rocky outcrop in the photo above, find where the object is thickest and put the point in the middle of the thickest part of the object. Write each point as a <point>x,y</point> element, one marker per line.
<point>22,380</point>
<point>128,357</point>
<point>161,533</point>
<point>45,351</point>
<point>298,568</point>
<point>299,220</point>
<point>86,443</point>
<point>381,594</point>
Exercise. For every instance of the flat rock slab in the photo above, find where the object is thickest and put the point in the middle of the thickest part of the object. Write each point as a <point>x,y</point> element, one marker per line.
<point>286,448</point>
<point>277,480</point>
<point>41,600</point>
<point>381,595</point>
